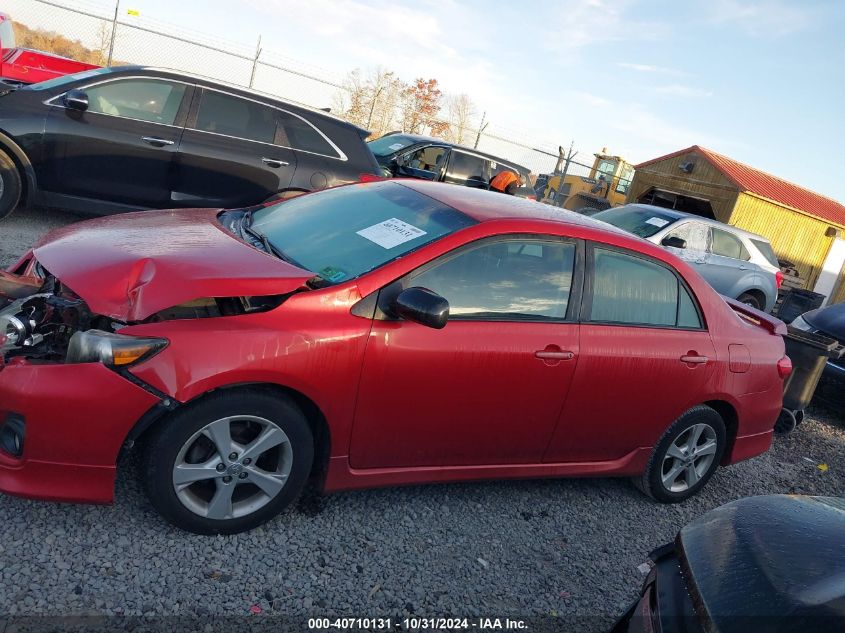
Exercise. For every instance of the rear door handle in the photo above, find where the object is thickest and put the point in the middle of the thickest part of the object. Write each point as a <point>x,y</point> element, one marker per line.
<point>694,360</point>
<point>274,163</point>
<point>156,142</point>
<point>546,354</point>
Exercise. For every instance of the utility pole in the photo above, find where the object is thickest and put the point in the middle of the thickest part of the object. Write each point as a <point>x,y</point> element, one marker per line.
<point>481,128</point>
<point>559,196</point>
<point>255,62</point>
<point>113,31</point>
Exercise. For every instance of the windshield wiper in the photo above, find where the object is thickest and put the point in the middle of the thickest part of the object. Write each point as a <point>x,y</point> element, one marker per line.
<point>246,226</point>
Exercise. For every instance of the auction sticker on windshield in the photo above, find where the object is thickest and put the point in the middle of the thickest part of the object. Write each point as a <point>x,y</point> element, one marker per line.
<point>390,233</point>
<point>657,222</point>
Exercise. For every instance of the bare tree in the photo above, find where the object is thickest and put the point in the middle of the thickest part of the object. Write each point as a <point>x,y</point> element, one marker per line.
<point>103,40</point>
<point>461,112</point>
<point>350,100</point>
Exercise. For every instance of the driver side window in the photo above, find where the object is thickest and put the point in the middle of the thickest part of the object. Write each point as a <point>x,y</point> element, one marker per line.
<point>695,234</point>
<point>426,158</point>
<point>511,280</point>
<point>141,99</point>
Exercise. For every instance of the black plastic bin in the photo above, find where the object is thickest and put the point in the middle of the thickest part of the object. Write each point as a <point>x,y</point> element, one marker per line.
<point>809,353</point>
<point>796,302</point>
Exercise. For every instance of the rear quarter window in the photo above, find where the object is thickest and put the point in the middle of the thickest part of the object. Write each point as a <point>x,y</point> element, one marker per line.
<point>302,135</point>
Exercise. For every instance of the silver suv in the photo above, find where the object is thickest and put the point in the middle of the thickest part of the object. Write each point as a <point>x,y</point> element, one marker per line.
<point>736,263</point>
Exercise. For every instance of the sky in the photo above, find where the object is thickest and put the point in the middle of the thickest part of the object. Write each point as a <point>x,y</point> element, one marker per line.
<point>760,81</point>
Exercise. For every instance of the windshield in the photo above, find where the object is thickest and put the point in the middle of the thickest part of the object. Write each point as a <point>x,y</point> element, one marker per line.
<point>66,79</point>
<point>386,145</point>
<point>766,250</point>
<point>342,233</point>
<point>640,221</point>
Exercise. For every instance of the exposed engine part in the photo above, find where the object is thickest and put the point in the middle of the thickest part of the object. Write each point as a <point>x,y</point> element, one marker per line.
<point>40,326</point>
<point>220,306</point>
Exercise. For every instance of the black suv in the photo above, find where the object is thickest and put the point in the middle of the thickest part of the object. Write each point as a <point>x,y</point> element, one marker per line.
<point>414,156</point>
<point>128,138</point>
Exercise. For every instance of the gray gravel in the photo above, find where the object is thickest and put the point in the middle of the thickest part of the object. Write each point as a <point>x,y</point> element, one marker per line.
<point>19,231</point>
<point>526,548</point>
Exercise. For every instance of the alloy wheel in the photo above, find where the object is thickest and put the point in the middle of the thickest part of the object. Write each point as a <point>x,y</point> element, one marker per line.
<point>232,467</point>
<point>689,457</point>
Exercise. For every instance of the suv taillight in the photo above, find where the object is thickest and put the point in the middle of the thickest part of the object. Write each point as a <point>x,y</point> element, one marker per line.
<point>778,278</point>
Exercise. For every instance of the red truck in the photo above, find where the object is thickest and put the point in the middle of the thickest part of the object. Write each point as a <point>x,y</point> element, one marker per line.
<point>22,65</point>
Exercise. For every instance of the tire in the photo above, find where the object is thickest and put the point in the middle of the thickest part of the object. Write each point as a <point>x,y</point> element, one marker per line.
<point>11,186</point>
<point>218,494</point>
<point>710,429</point>
<point>750,299</point>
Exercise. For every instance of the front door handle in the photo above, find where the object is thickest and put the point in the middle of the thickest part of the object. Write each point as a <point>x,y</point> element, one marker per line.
<point>274,163</point>
<point>552,355</point>
<point>156,142</point>
<point>693,359</point>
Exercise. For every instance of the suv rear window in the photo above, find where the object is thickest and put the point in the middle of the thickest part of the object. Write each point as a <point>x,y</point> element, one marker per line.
<point>303,136</point>
<point>766,250</point>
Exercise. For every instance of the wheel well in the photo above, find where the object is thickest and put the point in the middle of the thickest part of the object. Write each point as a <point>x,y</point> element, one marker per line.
<point>729,417</point>
<point>26,184</point>
<point>316,420</point>
<point>757,294</point>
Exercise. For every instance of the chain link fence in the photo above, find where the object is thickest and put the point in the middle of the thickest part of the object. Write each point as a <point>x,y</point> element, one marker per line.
<point>134,39</point>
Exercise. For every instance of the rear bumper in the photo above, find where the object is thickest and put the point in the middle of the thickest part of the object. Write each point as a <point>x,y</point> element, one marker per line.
<point>76,419</point>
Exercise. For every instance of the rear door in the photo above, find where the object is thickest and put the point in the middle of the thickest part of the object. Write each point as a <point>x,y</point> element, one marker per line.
<point>727,262</point>
<point>122,147</point>
<point>230,154</point>
<point>645,358</point>
<point>468,170</point>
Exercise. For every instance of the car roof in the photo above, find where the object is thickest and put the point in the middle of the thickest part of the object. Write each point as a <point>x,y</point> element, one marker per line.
<point>672,213</point>
<point>485,206</point>
<point>234,89</point>
<point>420,138</point>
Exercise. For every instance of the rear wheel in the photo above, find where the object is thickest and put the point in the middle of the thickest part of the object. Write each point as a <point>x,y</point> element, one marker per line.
<point>10,185</point>
<point>750,299</point>
<point>228,463</point>
<point>685,457</point>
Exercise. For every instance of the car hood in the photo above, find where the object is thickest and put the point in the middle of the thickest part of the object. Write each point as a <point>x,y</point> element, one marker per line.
<point>830,320</point>
<point>130,266</point>
<point>777,556</point>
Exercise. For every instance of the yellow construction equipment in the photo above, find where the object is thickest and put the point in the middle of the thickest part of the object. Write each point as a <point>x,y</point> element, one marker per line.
<point>605,187</point>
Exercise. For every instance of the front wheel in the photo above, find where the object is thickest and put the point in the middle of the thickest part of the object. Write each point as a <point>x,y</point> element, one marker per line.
<point>10,185</point>
<point>228,463</point>
<point>685,457</point>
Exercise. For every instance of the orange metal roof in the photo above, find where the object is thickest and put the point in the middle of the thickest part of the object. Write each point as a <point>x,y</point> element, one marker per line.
<point>768,186</point>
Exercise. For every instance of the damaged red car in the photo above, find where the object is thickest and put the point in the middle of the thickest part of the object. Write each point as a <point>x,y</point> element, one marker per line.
<point>382,333</point>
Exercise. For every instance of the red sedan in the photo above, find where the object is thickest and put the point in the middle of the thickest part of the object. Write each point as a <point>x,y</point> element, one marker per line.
<point>384,333</point>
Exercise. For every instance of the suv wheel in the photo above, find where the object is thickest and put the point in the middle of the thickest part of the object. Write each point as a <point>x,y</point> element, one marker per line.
<point>10,185</point>
<point>685,457</point>
<point>228,463</point>
<point>750,299</point>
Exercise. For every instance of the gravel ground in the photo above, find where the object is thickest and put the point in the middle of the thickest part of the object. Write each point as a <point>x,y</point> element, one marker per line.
<point>20,231</point>
<point>529,548</point>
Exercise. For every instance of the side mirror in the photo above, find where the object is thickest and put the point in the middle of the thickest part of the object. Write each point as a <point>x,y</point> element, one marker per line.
<point>76,100</point>
<point>422,306</point>
<point>674,242</point>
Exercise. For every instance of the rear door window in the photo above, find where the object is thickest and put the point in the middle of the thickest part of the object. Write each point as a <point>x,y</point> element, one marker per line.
<point>467,169</point>
<point>728,245</point>
<point>627,289</point>
<point>230,115</point>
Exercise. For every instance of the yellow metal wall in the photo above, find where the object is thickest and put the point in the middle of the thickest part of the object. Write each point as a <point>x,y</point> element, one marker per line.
<point>796,237</point>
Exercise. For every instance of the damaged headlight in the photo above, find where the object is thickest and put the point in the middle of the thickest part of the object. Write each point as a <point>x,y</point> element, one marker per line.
<point>113,350</point>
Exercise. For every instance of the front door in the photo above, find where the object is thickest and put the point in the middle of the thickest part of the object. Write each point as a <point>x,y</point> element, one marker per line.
<point>646,357</point>
<point>121,148</point>
<point>424,162</point>
<point>489,387</point>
